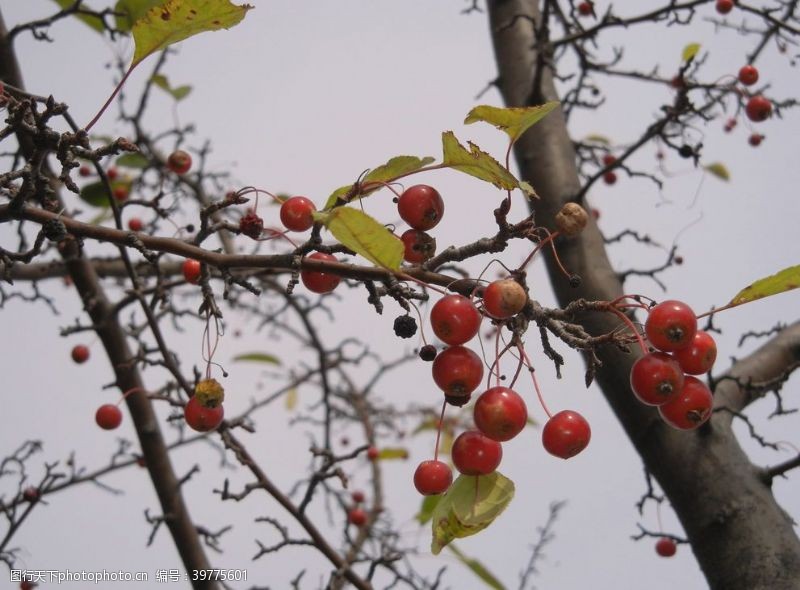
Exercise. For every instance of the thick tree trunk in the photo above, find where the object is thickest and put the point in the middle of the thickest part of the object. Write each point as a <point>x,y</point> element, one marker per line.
<point>741,537</point>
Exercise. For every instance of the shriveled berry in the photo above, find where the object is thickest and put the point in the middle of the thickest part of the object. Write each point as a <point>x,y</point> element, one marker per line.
<point>428,353</point>
<point>251,225</point>
<point>405,326</point>
<point>572,218</point>
<point>418,246</point>
<point>209,393</point>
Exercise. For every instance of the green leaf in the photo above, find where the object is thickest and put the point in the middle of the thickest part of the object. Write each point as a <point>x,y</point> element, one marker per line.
<point>386,173</point>
<point>95,194</point>
<point>719,170</point>
<point>469,506</point>
<point>258,357</point>
<point>132,160</point>
<point>690,51</point>
<point>475,162</point>
<point>392,453</point>
<point>426,510</point>
<point>176,20</point>
<point>93,22</point>
<point>785,280</point>
<point>596,138</point>
<point>477,568</point>
<point>178,93</point>
<point>514,121</point>
<point>527,189</point>
<point>129,11</point>
<point>364,235</point>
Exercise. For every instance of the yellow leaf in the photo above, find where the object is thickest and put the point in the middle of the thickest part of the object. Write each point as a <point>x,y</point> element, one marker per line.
<point>475,162</point>
<point>785,280</point>
<point>364,235</point>
<point>514,121</point>
<point>176,20</point>
<point>291,399</point>
<point>690,51</point>
<point>719,170</point>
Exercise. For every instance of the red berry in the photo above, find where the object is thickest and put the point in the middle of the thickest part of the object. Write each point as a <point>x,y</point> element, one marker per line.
<point>320,282</point>
<point>112,173</point>
<point>85,171</point>
<point>80,353</point>
<point>108,416</point>
<point>724,6</point>
<point>748,75</point>
<point>121,192</point>
<point>297,213</point>
<point>585,9</point>
<point>179,162</point>
<point>419,246</point>
<point>610,177</point>
<point>755,139</point>
<point>191,271</point>
<point>699,356</point>
<point>200,418</point>
<point>357,517</point>
<point>457,371</point>
<point>455,319</point>
<point>251,225</point>
<point>31,494</point>
<point>373,453</point>
<point>566,434</point>
<point>656,378</point>
<point>421,206</point>
<point>357,496</point>
<point>758,108</point>
<point>609,159</point>
<point>27,585</point>
<point>500,413</point>
<point>671,325</point>
<point>666,547</point>
<point>504,298</point>
<point>475,454</point>
<point>135,224</point>
<point>432,478</point>
<point>677,82</point>
<point>690,408</point>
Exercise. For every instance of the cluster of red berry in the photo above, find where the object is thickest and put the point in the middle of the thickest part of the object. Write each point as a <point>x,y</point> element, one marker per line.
<point>420,206</point>
<point>665,378</point>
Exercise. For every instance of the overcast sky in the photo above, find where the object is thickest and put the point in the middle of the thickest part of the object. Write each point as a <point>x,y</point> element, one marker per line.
<point>302,97</point>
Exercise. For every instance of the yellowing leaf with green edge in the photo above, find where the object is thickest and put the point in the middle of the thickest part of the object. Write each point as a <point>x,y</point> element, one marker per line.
<point>93,22</point>
<point>719,170</point>
<point>129,11</point>
<point>392,453</point>
<point>785,280</point>
<point>426,509</point>
<point>291,399</point>
<point>469,506</point>
<point>475,162</point>
<point>527,189</point>
<point>258,357</point>
<point>690,51</point>
<point>514,120</point>
<point>393,169</point>
<point>364,235</point>
<point>178,93</point>
<point>477,568</point>
<point>176,20</point>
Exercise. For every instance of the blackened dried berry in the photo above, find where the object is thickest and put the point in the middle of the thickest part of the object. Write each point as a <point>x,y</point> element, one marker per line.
<point>457,400</point>
<point>251,225</point>
<point>427,353</point>
<point>574,281</point>
<point>405,326</point>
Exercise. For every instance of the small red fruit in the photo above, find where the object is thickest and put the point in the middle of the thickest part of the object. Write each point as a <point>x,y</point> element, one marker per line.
<point>455,319</point>
<point>121,193</point>
<point>419,246</point>
<point>748,75</point>
<point>699,356</point>
<point>500,413</point>
<point>566,434</point>
<point>357,517</point>
<point>84,171</point>
<point>357,496</point>
<point>610,177</point>
<point>251,225</point>
<point>112,174</point>
<point>585,9</point>
<point>31,494</point>
<point>609,159</point>
<point>200,418</point>
<point>179,162</point>
<point>432,478</point>
<point>108,416</point>
<point>373,453</point>
<point>457,371</point>
<point>690,408</point>
<point>666,547</point>
<point>421,206</point>
<point>320,282</point>
<point>80,353</point>
<point>724,6</point>
<point>671,325</point>
<point>504,298</point>
<point>135,224</point>
<point>755,139</point>
<point>476,454</point>
<point>656,378</point>
<point>191,271</point>
<point>297,213</point>
<point>27,585</point>
<point>758,108</point>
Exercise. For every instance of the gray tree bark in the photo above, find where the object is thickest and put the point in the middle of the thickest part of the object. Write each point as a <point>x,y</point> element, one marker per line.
<point>740,536</point>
